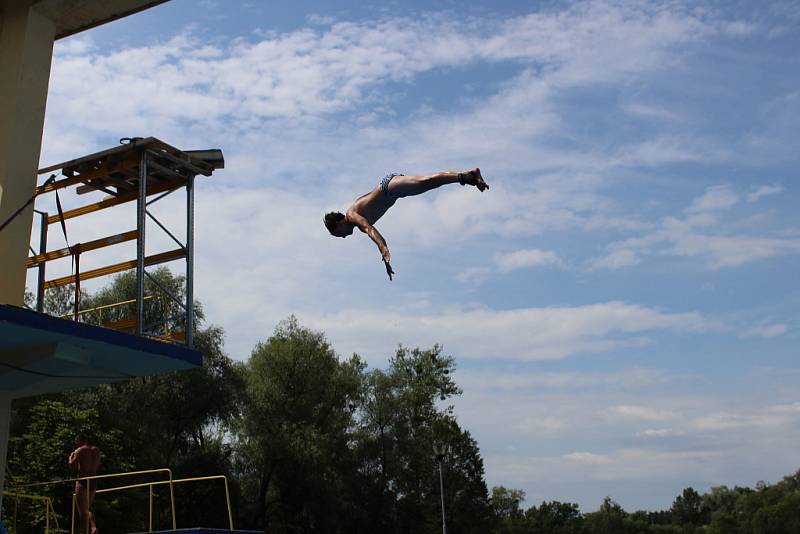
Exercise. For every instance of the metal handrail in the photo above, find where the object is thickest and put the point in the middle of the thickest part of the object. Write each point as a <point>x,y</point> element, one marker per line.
<point>105,307</point>
<point>115,475</point>
<point>150,486</point>
<point>48,509</point>
<point>100,309</point>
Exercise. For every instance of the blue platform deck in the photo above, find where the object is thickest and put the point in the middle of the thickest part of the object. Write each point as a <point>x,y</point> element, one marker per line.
<point>43,354</point>
<point>209,531</point>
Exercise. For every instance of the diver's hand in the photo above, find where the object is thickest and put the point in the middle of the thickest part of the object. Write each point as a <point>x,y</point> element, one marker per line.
<point>389,270</point>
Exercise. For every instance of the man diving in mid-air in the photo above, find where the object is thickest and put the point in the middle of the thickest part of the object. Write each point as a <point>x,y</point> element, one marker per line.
<point>367,209</point>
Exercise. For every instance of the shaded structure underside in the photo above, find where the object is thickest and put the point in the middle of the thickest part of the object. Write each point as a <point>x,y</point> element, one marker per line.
<point>42,354</point>
<point>73,16</point>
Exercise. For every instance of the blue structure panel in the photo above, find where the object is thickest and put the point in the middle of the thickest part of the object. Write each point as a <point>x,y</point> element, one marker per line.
<point>40,354</point>
<point>208,531</point>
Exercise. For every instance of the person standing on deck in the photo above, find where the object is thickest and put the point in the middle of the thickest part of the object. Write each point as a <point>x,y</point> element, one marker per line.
<point>84,461</point>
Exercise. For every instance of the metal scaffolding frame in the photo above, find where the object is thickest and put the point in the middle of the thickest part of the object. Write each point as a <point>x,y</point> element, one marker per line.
<point>133,171</point>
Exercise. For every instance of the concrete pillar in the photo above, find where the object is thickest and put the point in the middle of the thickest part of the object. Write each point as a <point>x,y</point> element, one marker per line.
<point>26,51</point>
<point>5,422</point>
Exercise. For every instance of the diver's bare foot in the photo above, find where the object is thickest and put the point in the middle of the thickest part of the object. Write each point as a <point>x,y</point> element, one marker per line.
<point>474,177</point>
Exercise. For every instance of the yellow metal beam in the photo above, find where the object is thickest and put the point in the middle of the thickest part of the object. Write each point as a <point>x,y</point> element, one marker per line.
<point>117,267</point>
<point>86,176</point>
<point>35,261</point>
<point>115,201</point>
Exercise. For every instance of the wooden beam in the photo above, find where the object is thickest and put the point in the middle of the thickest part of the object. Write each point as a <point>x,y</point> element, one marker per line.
<point>88,175</point>
<point>115,201</point>
<point>35,261</point>
<point>117,267</point>
<point>98,184</point>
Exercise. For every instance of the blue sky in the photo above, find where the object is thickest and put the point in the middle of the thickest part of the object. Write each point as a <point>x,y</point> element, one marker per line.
<point>623,303</point>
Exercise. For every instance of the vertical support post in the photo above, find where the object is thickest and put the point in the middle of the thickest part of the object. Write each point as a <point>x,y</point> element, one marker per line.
<point>88,507</point>
<point>43,265</point>
<point>150,515</point>
<point>441,492</point>
<point>190,261</point>
<point>26,50</point>
<point>172,501</point>
<point>5,423</point>
<point>141,221</point>
<point>228,501</point>
<point>76,254</point>
<point>72,514</point>
<point>439,451</point>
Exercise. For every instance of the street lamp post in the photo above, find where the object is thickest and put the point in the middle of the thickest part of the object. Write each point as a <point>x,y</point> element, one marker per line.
<point>439,450</point>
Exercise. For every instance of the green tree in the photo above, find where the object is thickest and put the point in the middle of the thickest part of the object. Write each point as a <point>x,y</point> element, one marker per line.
<point>609,519</point>
<point>689,510</point>
<point>554,518</point>
<point>401,417</point>
<point>506,507</point>
<point>295,431</point>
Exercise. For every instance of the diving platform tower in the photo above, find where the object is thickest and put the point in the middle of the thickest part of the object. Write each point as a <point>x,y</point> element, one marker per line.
<point>40,353</point>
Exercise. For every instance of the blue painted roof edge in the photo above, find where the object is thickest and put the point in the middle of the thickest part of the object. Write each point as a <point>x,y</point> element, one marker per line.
<point>21,316</point>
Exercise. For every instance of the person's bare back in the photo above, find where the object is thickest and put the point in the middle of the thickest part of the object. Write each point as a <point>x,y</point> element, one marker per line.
<point>85,461</point>
<point>368,208</point>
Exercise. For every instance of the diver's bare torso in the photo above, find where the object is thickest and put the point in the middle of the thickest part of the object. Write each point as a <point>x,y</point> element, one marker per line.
<point>371,206</point>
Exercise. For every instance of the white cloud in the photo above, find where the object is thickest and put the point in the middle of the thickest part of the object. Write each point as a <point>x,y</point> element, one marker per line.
<point>730,421</point>
<point>787,408</point>
<point>540,426</point>
<point>525,334</point>
<point>511,261</point>
<point>718,197</point>
<point>659,433</point>
<point>651,111</point>
<point>616,259</point>
<point>700,234</point>
<point>529,428</point>
<point>765,330</point>
<point>668,149</point>
<point>739,28</point>
<point>521,259</point>
<point>763,191</point>
<point>731,251</point>
<point>490,380</point>
<point>644,413</point>
<point>473,275</point>
<point>587,458</point>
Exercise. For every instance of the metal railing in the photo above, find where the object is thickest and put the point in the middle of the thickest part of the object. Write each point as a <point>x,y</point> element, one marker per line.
<point>150,485</point>
<point>131,322</point>
<point>114,475</point>
<point>48,510</point>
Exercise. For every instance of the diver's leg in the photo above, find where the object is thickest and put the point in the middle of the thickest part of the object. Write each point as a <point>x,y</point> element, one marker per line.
<point>83,508</point>
<point>407,186</point>
<point>91,506</point>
